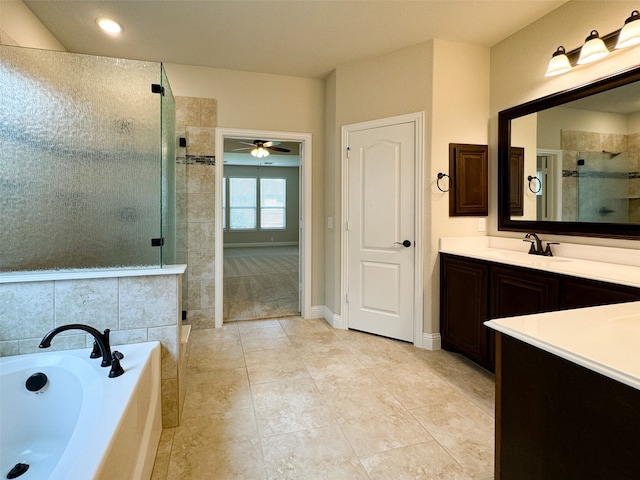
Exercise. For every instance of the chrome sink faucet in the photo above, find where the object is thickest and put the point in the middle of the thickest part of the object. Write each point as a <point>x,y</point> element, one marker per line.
<point>536,245</point>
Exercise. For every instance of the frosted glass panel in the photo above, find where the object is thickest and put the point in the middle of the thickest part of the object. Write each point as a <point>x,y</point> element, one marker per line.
<point>80,161</point>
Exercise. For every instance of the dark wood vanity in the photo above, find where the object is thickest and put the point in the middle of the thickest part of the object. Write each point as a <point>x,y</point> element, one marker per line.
<point>561,421</point>
<point>473,291</point>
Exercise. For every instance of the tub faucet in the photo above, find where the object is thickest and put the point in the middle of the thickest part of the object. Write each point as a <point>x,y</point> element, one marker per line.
<point>101,339</point>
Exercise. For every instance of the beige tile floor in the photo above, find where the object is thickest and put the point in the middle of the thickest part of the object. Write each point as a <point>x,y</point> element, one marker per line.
<point>296,399</point>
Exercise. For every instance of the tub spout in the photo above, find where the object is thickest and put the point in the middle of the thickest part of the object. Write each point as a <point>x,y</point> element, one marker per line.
<point>102,339</point>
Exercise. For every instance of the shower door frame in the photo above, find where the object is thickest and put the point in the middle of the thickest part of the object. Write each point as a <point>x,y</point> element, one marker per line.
<point>304,239</point>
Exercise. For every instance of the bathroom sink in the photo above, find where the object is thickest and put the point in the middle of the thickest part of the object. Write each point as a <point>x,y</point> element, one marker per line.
<point>521,257</point>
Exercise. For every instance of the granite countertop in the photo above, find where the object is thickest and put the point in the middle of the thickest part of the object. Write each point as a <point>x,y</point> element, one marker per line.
<point>604,339</point>
<point>607,264</point>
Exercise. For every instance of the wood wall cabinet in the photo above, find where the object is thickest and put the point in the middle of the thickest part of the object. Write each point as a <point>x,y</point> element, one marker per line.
<point>516,181</point>
<point>474,291</point>
<point>469,188</point>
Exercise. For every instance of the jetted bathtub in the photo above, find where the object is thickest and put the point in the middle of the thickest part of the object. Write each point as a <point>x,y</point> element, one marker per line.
<point>81,424</point>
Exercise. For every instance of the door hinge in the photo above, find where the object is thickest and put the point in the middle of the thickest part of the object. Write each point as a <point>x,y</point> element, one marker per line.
<point>157,242</point>
<point>346,297</point>
<point>157,88</point>
<point>348,153</point>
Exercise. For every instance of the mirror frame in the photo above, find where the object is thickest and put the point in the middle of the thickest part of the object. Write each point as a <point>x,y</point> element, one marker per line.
<point>589,229</point>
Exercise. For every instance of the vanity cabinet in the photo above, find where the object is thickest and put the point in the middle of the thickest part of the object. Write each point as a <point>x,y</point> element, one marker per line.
<point>464,307</point>
<point>579,292</point>
<point>473,291</point>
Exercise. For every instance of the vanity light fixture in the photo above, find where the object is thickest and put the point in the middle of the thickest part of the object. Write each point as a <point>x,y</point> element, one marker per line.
<point>630,33</point>
<point>593,49</point>
<point>109,26</point>
<point>596,47</point>
<point>559,63</point>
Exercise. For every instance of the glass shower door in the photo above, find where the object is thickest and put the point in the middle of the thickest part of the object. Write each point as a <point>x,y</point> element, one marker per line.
<point>80,161</point>
<point>603,187</point>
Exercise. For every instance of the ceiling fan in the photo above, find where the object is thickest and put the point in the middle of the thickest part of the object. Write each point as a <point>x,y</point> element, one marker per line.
<point>262,148</point>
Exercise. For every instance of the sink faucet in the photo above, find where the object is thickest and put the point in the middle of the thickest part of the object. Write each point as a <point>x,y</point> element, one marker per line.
<point>536,245</point>
<point>101,339</point>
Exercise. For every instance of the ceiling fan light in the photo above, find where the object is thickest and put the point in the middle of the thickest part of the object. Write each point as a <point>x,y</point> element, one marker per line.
<point>260,152</point>
<point>559,63</point>
<point>593,49</point>
<point>630,33</point>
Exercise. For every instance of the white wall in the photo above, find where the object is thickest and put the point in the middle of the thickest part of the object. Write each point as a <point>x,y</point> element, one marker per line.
<point>258,101</point>
<point>18,26</point>
<point>518,65</point>
<point>450,83</point>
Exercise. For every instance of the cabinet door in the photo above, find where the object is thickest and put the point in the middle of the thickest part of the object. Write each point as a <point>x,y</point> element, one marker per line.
<point>577,293</point>
<point>520,292</point>
<point>463,307</point>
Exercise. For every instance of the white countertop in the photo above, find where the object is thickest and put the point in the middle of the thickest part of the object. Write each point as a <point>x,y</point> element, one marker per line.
<point>607,264</point>
<point>605,339</point>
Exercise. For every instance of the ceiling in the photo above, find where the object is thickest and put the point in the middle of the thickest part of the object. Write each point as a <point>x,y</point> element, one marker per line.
<point>304,38</point>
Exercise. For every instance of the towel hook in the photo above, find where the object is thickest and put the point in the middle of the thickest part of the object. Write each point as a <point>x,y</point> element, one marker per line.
<point>537,190</point>
<point>440,175</point>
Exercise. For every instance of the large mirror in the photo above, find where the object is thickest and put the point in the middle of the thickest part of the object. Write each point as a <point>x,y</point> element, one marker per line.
<point>569,163</point>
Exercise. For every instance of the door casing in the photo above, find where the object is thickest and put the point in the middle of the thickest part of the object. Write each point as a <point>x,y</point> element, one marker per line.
<point>304,216</point>
<point>418,120</point>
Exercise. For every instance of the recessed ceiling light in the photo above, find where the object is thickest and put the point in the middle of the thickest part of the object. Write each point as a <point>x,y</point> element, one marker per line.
<point>108,25</point>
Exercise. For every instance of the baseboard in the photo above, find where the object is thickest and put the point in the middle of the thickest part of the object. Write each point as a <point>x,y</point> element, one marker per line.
<point>322,311</point>
<point>261,244</point>
<point>431,341</point>
<point>317,311</point>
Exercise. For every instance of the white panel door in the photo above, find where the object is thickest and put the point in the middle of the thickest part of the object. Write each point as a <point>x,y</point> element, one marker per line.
<point>380,284</point>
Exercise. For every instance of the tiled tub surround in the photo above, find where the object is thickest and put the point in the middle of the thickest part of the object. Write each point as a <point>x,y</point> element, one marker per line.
<point>607,264</point>
<point>575,144</point>
<point>137,305</point>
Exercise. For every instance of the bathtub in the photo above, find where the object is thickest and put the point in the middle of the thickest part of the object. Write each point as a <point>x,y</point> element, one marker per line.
<point>81,425</point>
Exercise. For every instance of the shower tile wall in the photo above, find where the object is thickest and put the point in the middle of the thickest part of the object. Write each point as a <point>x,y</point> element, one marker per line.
<point>135,308</point>
<point>196,119</point>
<point>573,142</point>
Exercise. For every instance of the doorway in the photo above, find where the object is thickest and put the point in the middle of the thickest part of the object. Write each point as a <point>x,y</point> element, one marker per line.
<point>382,242</point>
<point>256,244</point>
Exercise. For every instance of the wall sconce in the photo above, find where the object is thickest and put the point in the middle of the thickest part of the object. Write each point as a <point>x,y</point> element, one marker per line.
<point>596,47</point>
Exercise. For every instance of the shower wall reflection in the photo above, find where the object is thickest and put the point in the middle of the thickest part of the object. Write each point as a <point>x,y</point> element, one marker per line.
<point>87,161</point>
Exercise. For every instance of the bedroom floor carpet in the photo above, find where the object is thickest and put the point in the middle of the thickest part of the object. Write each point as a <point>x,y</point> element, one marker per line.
<point>260,282</point>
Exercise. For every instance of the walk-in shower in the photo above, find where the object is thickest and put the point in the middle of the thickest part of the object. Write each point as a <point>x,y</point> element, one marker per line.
<point>87,162</point>
<point>603,187</point>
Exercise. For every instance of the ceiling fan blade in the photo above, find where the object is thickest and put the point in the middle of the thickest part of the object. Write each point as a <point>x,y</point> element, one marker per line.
<point>250,144</point>
<point>239,149</point>
<point>279,149</point>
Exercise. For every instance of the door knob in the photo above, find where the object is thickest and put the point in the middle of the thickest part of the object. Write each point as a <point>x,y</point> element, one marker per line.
<point>406,243</point>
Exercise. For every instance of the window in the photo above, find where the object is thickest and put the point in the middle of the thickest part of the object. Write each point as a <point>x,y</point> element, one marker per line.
<point>240,208</point>
<point>242,203</point>
<point>273,201</point>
